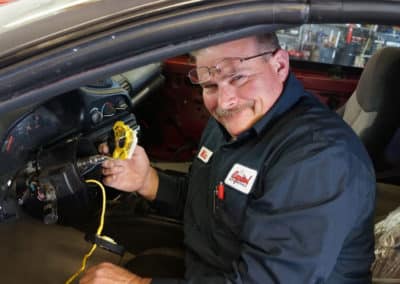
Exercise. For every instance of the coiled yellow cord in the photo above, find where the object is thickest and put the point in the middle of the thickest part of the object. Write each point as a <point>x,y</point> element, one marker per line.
<point>99,230</point>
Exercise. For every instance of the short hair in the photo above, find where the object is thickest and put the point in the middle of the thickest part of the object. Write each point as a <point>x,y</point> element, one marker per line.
<point>266,41</point>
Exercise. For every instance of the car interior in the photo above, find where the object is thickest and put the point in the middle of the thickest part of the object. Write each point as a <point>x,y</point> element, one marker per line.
<point>52,149</point>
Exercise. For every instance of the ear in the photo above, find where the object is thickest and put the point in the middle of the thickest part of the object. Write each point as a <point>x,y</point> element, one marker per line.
<point>280,64</point>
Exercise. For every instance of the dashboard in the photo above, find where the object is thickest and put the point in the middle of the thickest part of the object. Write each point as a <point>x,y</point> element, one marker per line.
<point>75,113</point>
<point>51,149</point>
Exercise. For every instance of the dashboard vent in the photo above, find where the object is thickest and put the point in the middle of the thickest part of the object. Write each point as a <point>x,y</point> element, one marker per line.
<point>123,82</point>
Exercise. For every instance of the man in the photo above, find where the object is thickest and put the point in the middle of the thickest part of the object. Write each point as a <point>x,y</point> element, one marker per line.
<point>281,190</point>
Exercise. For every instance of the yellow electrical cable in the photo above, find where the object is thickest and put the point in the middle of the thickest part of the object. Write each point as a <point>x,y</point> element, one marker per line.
<point>99,230</point>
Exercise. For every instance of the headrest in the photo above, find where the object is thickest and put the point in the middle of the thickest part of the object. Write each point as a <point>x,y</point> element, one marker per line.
<point>378,93</point>
<point>380,80</point>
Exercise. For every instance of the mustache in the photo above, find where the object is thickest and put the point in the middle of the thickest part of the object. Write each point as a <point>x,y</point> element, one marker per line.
<point>225,113</point>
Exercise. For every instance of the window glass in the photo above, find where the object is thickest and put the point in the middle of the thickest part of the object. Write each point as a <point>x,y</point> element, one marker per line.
<point>342,44</point>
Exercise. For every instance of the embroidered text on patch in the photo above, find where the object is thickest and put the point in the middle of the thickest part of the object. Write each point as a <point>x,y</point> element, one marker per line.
<point>241,178</point>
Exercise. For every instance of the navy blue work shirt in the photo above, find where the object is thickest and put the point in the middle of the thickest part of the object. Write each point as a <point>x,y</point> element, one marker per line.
<point>297,205</point>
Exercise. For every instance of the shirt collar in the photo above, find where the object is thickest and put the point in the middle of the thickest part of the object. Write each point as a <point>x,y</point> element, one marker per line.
<point>292,92</point>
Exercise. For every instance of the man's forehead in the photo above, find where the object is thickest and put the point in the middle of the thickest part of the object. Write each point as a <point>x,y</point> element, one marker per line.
<point>237,48</point>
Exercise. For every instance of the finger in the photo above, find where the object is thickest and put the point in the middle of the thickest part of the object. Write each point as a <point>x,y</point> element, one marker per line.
<point>111,163</point>
<point>110,180</point>
<point>118,162</point>
<point>112,171</point>
<point>91,269</point>
<point>88,276</point>
<point>108,163</point>
<point>103,148</point>
<point>101,273</point>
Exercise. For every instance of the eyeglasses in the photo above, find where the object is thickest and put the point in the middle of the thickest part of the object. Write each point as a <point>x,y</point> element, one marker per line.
<point>227,67</point>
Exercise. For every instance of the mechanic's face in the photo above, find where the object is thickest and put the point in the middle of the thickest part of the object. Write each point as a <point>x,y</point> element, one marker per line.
<point>238,96</point>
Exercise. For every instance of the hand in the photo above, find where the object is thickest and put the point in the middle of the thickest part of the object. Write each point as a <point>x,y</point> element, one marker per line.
<point>131,175</point>
<point>109,273</point>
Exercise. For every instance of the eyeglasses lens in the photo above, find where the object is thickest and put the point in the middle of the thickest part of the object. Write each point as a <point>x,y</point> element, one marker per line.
<point>225,68</point>
<point>201,75</point>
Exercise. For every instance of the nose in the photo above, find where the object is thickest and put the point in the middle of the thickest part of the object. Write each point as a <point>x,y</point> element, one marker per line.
<point>227,96</point>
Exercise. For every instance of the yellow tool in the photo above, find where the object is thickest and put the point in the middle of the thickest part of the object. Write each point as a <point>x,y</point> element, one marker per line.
<point>125,140</point>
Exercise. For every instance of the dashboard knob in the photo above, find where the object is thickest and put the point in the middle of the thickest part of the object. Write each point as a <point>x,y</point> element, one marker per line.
<point>96,115</point>
<point>121,105</point>
<point>108,109</point>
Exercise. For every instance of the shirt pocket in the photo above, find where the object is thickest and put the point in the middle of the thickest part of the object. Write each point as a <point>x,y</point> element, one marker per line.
<point>229,212</point>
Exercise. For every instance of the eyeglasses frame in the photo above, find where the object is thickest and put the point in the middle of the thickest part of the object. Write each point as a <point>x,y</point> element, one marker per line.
<point>241,59</point>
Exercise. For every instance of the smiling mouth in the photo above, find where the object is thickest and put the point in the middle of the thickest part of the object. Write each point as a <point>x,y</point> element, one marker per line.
<point>227,113</point>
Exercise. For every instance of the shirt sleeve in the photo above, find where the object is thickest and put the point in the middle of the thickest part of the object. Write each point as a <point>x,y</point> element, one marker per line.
<point>171,194</point>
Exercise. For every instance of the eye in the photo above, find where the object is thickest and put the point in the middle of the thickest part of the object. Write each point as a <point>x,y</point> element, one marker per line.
<point>238,79</point>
